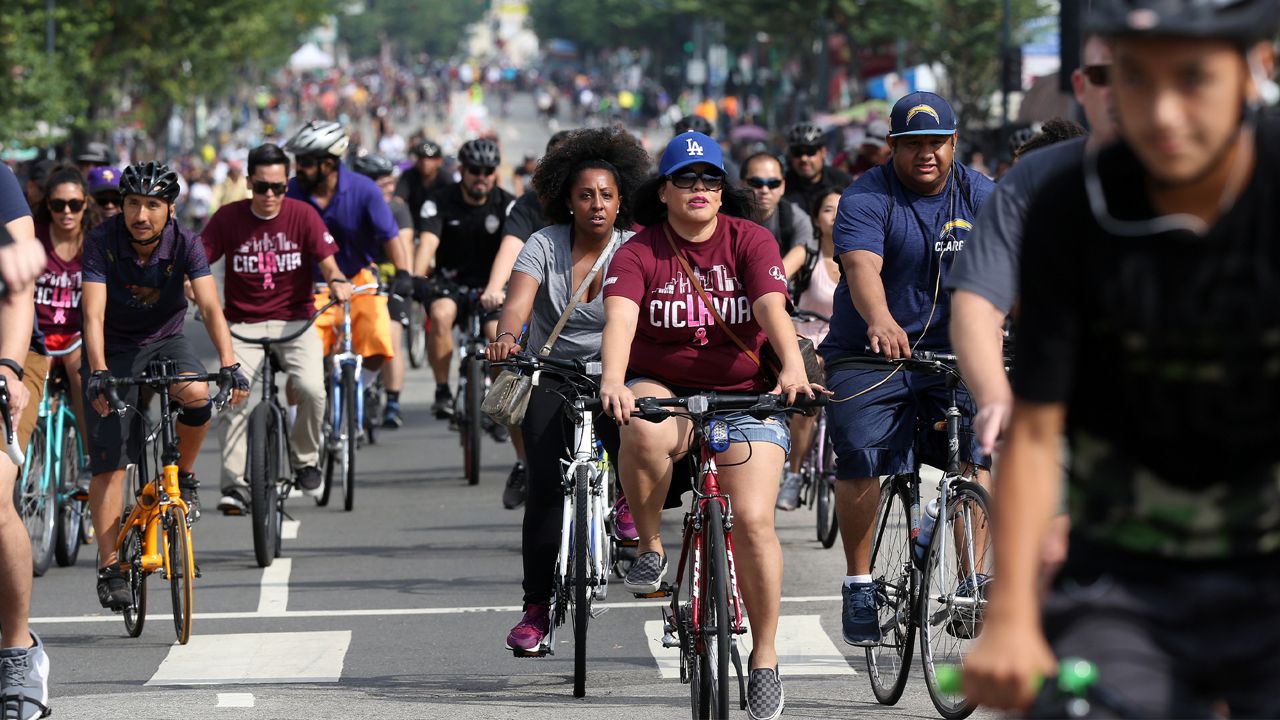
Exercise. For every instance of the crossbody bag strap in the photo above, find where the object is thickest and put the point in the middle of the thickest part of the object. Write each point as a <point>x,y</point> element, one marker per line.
<point>582,290</point>
<point>693,278</point>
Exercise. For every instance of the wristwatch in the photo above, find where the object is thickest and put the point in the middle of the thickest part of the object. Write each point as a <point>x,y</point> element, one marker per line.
<point>15,366</point>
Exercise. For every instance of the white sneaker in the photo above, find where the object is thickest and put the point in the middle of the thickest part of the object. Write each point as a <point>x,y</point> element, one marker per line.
<point>789,493</point>
<point>24,681</point>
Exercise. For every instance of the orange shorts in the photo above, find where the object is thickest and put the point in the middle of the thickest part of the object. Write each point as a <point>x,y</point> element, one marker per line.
<point>370,322</point>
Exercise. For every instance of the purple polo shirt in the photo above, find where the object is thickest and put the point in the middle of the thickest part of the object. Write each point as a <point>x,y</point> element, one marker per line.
<point>357,217</point>
<point>145,303</point>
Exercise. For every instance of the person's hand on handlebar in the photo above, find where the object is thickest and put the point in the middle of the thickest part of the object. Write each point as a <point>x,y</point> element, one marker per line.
<point>794,382</point>
<point>887,338</point>
<point>618,401</point>
<point>96,391</point>
<point>502,347</point>
<point>402,284</point>
<point>340,289</point>
<point>492,298</point>
<point>19,395</point>
<point>233,377</point>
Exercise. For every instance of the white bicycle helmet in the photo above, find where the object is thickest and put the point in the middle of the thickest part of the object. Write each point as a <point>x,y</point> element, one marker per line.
<point>319,139</point>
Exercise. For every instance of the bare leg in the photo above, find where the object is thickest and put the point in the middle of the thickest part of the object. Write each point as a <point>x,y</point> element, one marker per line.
<point>105,505</point>
<point>190,438</point>
<point>15,565</point>
<point>856,504</point>
<point>645,464</point>
<point>444,312</point>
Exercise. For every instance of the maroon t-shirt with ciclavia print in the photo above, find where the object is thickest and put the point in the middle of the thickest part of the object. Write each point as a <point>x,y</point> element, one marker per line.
<point>677,340</point>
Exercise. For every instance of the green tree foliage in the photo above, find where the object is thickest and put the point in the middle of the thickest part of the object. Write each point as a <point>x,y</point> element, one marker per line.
<point>410,26</point>
<point>143,55</point>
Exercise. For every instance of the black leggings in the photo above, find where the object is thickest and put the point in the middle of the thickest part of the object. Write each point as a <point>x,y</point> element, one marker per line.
<point>548,438</point>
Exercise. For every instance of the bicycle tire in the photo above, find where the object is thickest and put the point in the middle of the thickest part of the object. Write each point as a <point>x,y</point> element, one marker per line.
<point>371,417</point>
<point>39,506</point>
<point>260,471</point>
<point>66,547</point>
<point>328,445</point>
<point>415,336</point>
<point>940,622</point>
<point>714,624</point>
<point>182,571</point>
<point>581,578</point>
<point>895,576</point>
<point>472,428</point>
<point>825,479</point>
<point>349,390</point>
<point>135,614</point>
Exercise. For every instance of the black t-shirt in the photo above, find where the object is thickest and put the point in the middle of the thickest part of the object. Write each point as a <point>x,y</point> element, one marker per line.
<point>526,217</point>
<point>1166,350</point>
<point>469,234</point>
<point>804,193</point>
<point>415,192</point>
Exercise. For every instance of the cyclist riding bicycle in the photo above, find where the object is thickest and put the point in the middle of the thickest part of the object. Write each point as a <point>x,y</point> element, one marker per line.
<point>897,232</point>
<point>662,339</point>
<point>273,245</point>
<point>135,267</point>
<point>382,171</point>
<point>1147,332</point>
<point>583,184</point>
<point>808,172</point>
<point>362,226</point>
<point>24,665</point>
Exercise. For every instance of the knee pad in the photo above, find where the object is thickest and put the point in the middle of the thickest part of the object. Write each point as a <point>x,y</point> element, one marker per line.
<point>196,416</point>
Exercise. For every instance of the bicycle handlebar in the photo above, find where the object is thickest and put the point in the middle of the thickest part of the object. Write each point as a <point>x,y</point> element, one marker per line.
<point>291,336</point>
<point>799,314</point>
<point>1069,694</point>
<point>155,381</point>
<point>657,409</point>
<point>11,447</point>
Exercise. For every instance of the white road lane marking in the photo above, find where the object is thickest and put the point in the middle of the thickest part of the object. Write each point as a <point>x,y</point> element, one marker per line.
<point>302,657</point>
<point>235,700</point>
<point>290,530</point>
<point>804,648</point>
<point>365,612</point>
<point>274,596</point>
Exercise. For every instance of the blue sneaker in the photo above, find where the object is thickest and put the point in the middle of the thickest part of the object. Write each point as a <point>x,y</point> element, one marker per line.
<point>391,415</point>
<point>860,620</point>
<point>966,619</point>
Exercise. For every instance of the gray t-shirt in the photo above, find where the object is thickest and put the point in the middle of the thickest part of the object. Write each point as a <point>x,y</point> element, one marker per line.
<point>988,265</point>
<point>548,258</point>
<point>801,228</point>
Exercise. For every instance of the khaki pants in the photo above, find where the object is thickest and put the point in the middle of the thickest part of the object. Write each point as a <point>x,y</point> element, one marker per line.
<point>303,364</point>
<point>35,368</point>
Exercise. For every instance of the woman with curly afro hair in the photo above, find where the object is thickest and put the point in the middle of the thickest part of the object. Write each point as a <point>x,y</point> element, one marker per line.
<point>583,186</point>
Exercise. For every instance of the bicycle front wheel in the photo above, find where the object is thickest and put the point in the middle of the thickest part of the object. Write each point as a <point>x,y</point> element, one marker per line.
<point>953,594</point>
<point>472,427</point>
<point>416,336</point>
<point>260,471</point>
<point>182,571</point>
<point>135,614</point>
<point>713,626</point>
<point>352,422</point>
<point>894,576</point>
<point>39,501</point>
<point>330,452</point>
<point>581,578</point>
<point>66,548</point>
<point>825,479</point>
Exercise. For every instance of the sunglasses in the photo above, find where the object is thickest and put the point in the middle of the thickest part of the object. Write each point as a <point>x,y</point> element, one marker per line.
<point>1096,74</point>
<point>805,150</point>
<point>480,171</point>
<point>61,205</point>
<point>260,187</point>
<point>759,182</point>
<point>686,181</point>
<point>108,198</point>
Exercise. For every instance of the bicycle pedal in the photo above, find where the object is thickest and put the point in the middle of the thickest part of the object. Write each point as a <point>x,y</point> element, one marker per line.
<point>198,573</point>
<point>542,651</point>
<point>81,495</point>
<point>628,543</point>
<point>664,591</point>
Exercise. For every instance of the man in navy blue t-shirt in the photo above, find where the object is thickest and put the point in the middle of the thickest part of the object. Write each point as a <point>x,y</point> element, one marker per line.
<point>897,232</point>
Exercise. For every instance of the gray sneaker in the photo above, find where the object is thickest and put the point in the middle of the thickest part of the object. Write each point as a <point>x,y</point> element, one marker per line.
<point>646,573</point>
<point>765,698</point>
<point>789,494</point>
<point>24,681</point>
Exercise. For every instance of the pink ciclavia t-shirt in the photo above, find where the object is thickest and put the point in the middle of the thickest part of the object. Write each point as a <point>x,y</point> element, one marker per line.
<point>677,340</point>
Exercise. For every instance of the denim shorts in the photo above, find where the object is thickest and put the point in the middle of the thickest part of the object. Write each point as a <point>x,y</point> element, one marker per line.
<point>743,427</point>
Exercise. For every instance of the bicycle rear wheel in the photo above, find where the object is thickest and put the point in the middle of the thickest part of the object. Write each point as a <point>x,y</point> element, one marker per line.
<point>39,501</point>
<point>581,578</point>
<point>953,592</point>
<point>182,571</point>
<point>261,473</point>
<point>825,479</point>
<point>329,450</point>
<point>66,547</point>
<point>894,575</point>
<point>135,614</point>
<point>416,336</point>
<point>352,421</point>
<point>471,426</point>
<point>713,659</point>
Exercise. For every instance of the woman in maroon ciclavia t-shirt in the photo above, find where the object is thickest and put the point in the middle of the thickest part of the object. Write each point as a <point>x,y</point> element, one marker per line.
<point>659,338</point>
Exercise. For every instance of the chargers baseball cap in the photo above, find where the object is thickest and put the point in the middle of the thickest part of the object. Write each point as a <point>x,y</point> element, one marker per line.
<point>688,149</point>
<point>922,113</point>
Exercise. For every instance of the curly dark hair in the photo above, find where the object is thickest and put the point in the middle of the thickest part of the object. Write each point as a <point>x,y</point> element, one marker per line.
<point>1053,131</point>
<point>613,149</point>
<point>735,201</point>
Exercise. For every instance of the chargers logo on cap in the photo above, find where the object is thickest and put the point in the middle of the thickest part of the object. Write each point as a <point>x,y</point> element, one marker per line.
<point>923,109</point>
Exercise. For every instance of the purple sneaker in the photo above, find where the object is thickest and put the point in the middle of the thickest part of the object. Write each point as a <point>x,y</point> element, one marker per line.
<point>624,526</point>
<point>526,637</point>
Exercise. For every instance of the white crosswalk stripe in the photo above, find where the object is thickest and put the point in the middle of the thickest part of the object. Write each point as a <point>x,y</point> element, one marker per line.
<point>804,648</point>
<point>308,657</point>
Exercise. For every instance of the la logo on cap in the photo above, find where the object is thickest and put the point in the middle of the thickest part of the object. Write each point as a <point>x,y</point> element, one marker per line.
<point>693,147</point>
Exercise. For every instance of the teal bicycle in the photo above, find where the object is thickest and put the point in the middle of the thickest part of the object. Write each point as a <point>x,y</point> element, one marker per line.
<point>53,509</point>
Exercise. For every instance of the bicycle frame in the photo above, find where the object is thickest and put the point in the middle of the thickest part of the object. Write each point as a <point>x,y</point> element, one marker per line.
<point>346,358</point>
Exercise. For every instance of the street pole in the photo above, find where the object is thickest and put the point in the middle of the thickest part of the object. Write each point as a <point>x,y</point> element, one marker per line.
<point>1004,66</point>
<point>48,28</point>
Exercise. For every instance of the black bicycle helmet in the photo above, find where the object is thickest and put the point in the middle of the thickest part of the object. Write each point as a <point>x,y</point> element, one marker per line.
<point>427,149</point>
<point>373,165</point>
<point>319,138</point>
<point>1243,21</point>
<point>480,153</point>
<point>695,123</point>
<point>150,179</point>
<point>804,133</point>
